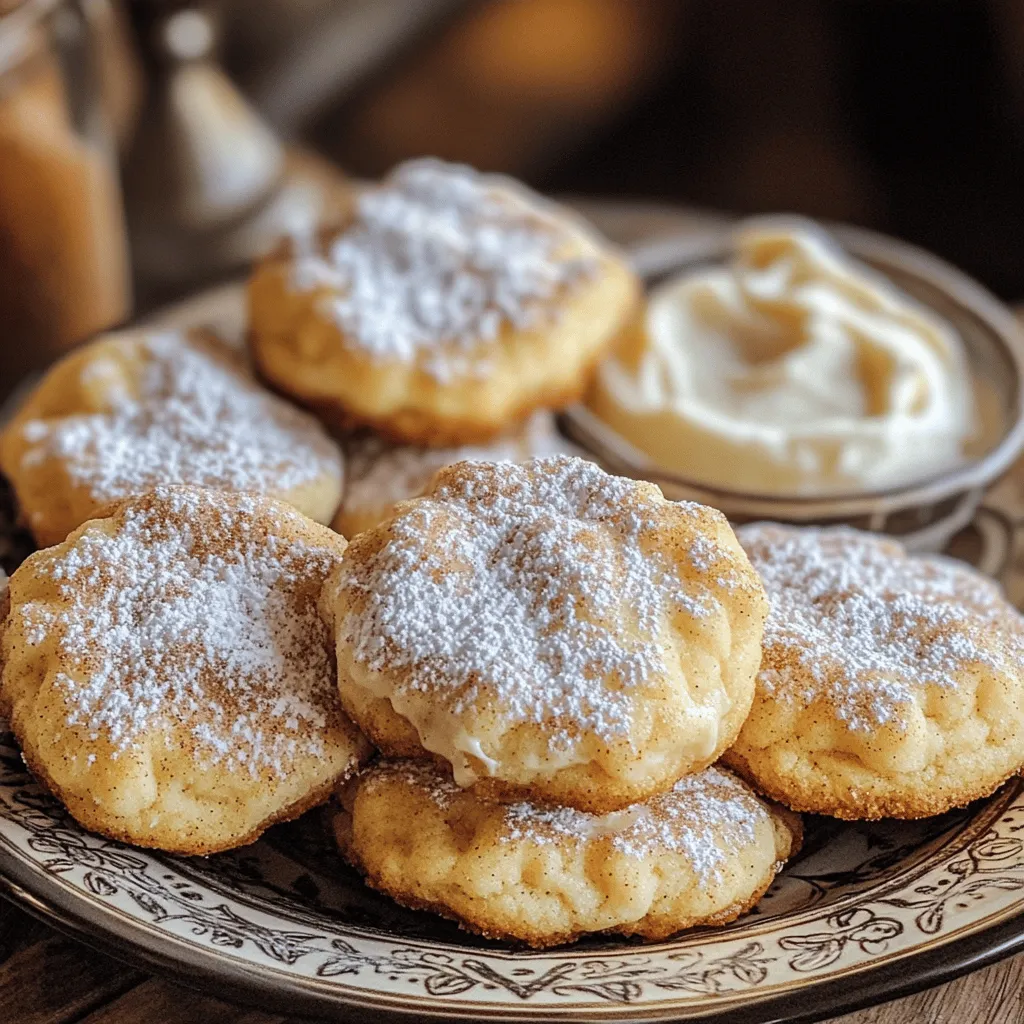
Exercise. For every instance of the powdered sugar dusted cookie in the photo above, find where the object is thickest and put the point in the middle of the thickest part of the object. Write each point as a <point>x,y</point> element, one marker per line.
<point>701,853</point>
<point>550,631</point>
<point>452,305</point>
<point>138,409</point>
<point>167,675</point>
<point>380,474</point>
<point>891,685</point>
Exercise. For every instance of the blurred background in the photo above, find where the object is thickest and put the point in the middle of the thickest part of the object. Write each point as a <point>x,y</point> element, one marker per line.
<point>907,116</point>
<point>148,148</point>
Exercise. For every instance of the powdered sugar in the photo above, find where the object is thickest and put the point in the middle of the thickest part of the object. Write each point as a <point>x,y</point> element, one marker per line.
<point>860,625</point>
<point>438,260</point>
<point>536,588</point>
<point>705,817</point>
<point>194,419</point>
<point>187,615</point>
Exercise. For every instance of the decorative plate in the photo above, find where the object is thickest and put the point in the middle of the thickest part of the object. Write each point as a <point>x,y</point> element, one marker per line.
<point>867,912</point>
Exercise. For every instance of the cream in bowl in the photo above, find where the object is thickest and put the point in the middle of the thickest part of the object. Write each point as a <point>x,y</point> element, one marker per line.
<point>793,369</point>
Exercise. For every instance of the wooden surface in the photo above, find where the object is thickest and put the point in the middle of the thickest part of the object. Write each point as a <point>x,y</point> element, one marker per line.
<point>47,979</point>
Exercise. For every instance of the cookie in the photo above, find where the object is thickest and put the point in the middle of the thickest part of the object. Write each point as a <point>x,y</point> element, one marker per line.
<point>451,306</point>
<point>701,853</point>
<point>551,632</point>
<point>891,686</point>
<point>167,675</point>
<point>138,409</point>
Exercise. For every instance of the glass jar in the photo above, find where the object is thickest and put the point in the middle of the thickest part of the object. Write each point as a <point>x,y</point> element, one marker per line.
<point>64,268</point>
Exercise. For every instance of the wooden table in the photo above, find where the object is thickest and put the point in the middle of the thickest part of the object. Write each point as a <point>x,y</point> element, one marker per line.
<point>48,979</point>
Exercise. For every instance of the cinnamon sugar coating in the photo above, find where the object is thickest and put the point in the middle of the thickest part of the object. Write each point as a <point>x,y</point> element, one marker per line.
<point>451,306</point>
<point>890,685</point>
<point>167,675</point>
<point>701,853</point>
<point>551,632</point>
<point>138,409</point>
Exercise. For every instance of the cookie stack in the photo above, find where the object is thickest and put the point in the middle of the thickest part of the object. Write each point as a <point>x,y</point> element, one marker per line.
<point>531,685</point>
<point>551,658</point>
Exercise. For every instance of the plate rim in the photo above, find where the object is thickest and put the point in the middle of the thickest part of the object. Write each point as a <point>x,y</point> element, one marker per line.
<point>252,985</point>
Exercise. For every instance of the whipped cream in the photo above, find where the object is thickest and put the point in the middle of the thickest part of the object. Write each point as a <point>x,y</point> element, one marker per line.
<point>791,370</point>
